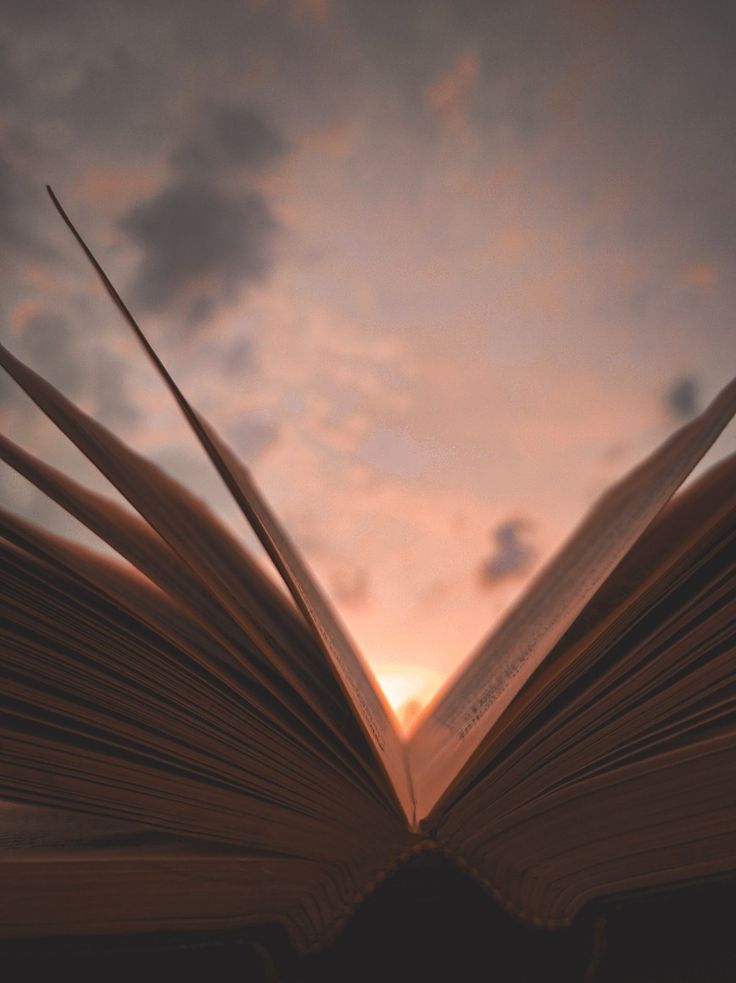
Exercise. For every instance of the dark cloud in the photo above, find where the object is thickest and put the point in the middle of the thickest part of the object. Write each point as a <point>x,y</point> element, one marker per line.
<point>230,136</point>
<point>245,137</point>
<point>199,241</point>
<point>512,556</point>
<point>682,397</point>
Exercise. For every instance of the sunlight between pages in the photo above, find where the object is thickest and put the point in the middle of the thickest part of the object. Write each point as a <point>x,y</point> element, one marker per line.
<point>451,731</point>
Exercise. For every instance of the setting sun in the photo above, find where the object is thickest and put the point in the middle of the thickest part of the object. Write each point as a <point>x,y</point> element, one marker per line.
<point>407,688</point>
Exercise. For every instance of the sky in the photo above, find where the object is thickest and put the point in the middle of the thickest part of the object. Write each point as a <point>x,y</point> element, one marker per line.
<point>439,271</point>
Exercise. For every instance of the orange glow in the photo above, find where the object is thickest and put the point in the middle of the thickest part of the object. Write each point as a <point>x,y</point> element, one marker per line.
<point>407,688</point>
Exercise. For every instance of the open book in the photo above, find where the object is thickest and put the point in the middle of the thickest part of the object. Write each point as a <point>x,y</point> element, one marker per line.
<point>185,747</point>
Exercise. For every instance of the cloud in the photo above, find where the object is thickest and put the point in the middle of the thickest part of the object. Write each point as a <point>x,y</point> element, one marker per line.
<point>448,97</point>
<point>251,435</point>
<point>232,135</point>
<point>114,403</point>
<point>335,140</point>
<point>60,353</point>
<point>512,556</point>
<point>199,243</point>
<point>682,397</point>
<point>703,275</point>
<point>393,452</point>
<point>111,102</point>
<point>350,585</point>
<point>49,344</point>
<point>314,12</point>
<point>17,195</point>
<point>238,358</point>
<point>44,12</point>
<point>203,240</point>
<point>10,84</point>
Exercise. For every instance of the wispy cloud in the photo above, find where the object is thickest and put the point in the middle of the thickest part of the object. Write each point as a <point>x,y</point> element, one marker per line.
<point>449,95</point>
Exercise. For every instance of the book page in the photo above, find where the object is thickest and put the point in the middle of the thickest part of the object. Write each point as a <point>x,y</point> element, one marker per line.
<point>468,706</point>
<point>183,548</point>
<point>266,645</point>
<point>353,674</point>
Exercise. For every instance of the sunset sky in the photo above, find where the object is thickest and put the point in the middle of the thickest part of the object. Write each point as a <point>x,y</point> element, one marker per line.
<point>440,272</point>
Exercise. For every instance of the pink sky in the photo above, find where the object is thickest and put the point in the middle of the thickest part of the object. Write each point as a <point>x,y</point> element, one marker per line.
<point>464,284</point>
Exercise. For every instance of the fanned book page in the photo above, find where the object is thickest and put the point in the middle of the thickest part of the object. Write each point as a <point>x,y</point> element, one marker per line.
<point>186,722</point>
<point>454,727</point>
<point>354,675</point>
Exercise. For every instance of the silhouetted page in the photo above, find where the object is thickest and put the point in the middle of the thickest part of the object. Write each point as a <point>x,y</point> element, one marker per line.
<point>188,748</point>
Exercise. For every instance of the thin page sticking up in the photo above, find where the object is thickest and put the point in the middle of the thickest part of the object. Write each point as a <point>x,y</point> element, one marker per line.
<point>352,673</point>
<point>463,714</point>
